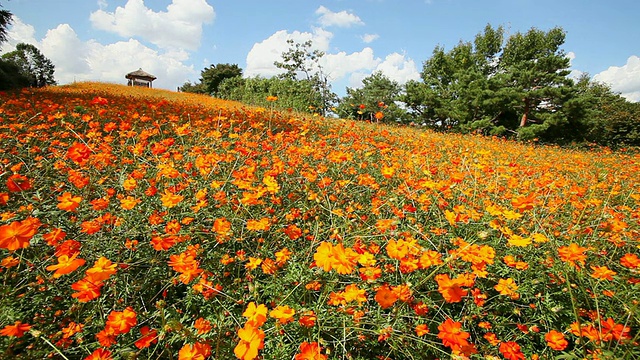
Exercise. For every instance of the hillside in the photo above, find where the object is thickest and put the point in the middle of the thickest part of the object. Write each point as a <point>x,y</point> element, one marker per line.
<point>149,223</point>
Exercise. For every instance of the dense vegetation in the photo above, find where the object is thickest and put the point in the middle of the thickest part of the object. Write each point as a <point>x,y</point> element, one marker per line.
<point>516,87</point>
<point>139,223</point>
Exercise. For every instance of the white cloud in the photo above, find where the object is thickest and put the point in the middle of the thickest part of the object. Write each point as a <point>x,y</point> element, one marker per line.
<point>342,64</point>
<point>398,68</point>
<point>263,54</point>
<point>339,19</point>
<point>67,52</point>
<point>178,27</point>
<point>369,38</point>
<point>77,60</point>
<point>19,32</point>
<point>623,79</point>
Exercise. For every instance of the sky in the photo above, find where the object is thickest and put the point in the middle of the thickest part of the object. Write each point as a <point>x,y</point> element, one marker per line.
<point>103,40</point>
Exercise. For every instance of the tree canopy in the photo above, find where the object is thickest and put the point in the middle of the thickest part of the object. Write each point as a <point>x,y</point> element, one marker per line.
<point>32,64</point>
<point>5,20</point>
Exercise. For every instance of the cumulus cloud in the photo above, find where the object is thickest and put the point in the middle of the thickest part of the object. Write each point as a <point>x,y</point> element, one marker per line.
<point>369,38</point>
<point>178,27</point>
<point>340,19</point>
<point>263,54</point>
<point>623,79</point>
<point>19,32</point>
<point>341,64</point>
<point>337,67</point>
<point>398,68</point>
<point>78,60</point>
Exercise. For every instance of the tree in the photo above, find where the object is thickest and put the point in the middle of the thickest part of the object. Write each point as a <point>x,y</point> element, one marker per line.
<point>535,72</point>
<point>457,87</point>
<point>212,76</point>
<point>292,94</point>
<point>520,86</point>
<point>5,21</point>
<point>196,88</point>
<point>303,64</point>
<point>32,64</point>
<point>377,95</point>
<point>210,79</point>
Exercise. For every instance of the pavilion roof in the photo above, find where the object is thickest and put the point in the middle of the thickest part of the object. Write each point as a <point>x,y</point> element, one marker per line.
<point>140,74</point>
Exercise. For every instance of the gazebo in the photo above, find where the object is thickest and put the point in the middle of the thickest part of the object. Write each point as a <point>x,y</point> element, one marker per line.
<point>140,78</point>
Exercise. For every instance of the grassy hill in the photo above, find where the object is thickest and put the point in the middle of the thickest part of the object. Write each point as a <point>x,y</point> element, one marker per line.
<point>140,223</point>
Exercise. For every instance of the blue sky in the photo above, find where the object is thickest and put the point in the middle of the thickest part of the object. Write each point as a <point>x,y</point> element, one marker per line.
<point>102,40</point>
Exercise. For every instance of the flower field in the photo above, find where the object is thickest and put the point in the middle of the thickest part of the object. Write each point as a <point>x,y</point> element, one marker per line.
<point>147,224</point>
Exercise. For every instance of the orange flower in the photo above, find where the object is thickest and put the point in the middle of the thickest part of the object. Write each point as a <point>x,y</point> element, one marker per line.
<point>452,335</point>
<point>353,293</point>
<point>631,261</point>
<point>602,273</point>
<point>78,152</point>
<point>379,115</point>
<point>87,289</point>
<point>202,325</point>
<point>324,256</point>
<point>344,259</point>
<point>284,314</point>
<point>310,351</point>
<point>572,254</point>
<point>102,269</point>
<point>17,329</point>
<point>385,297</point>
<point>66,265</point>
<point>129,202</point>
<point>256,315</point>
<point>17,235</point>
<point>507,287</point>
<point>197,351</point>
<point>450,288</point>
<point>251,340</point>
<point>511,351</point>
<point>68,202</point>
<point>422,330</point>
<point>100,354</point>
<point>282,256</point>
<point>222,226</point>
<point>555,340</point>
<point>258,225</point>
<point>611,330</point>
<point>17,183</point>
<point>9,262</point>
<point>149,336</point>
<point>54,236</point>
<point>170,199</point>
<point>308,319</point>
<point>120,322</point>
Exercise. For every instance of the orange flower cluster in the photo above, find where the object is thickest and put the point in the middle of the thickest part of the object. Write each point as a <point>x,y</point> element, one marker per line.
<point>183,207</point>
<point>251,336</point>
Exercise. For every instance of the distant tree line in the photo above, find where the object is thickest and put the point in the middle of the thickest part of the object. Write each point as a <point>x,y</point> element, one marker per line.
<point>517,86</point>
<point>25,66</point>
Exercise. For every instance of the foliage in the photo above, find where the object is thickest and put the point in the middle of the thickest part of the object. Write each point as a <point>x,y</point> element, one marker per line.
<point>298,95</point>
<point>154,224</point>
<point>302,63</point>
<point>211,77</point>
<point>378,95</point>
<point>11,77</point>
<point>5,21</point>
<point>195,88</point>
<point>517,86</point>
<point>611,120</point>
<point>33,65</point>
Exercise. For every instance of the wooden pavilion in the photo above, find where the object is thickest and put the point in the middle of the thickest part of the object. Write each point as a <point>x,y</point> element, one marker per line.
<point>140,78</point>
